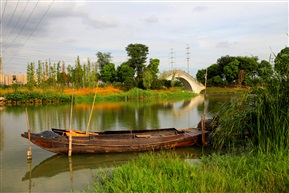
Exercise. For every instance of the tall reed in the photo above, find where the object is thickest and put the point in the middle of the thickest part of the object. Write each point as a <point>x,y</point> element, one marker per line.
<point>260,119</point>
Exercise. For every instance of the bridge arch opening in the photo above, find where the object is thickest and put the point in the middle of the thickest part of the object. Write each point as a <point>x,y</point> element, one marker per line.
<point>187,80</point>
<point>185,83</point>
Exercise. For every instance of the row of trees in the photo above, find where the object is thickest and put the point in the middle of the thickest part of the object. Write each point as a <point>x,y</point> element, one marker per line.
<point>244,70</point>
<point>132,73</point>
<point>135,72</point>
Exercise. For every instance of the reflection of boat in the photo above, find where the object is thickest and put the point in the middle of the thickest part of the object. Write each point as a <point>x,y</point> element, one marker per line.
<point>59,164</point>
<point>115,141</point>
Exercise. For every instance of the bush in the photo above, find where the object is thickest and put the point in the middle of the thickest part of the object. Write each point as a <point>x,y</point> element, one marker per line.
<point>32,97</point>
<point>128,84</point>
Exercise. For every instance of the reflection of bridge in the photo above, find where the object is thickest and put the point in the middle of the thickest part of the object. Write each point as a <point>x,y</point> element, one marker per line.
<point>188,105</point>
<point>188,81</point>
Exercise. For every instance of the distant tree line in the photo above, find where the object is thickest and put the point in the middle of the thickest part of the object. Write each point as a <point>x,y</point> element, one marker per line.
<point>246,71</point>
<point>135,72</point>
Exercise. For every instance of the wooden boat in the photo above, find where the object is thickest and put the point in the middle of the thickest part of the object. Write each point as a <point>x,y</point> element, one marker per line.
<point>57,140</point>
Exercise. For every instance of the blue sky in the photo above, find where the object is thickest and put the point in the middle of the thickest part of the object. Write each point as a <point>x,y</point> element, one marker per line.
<point>62,30</point>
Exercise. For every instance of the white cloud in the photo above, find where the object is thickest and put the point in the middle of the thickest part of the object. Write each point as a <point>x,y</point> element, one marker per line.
<point>212,30</point>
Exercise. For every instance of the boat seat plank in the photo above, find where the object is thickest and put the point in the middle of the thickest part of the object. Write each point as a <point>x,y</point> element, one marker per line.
<point>143,136</point>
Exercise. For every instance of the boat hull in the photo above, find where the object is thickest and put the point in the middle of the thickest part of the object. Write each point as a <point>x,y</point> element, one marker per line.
<point>116,141</point>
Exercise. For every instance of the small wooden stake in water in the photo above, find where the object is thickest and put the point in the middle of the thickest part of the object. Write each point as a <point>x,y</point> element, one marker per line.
<point>203,119</point>
<point>30,174</point>
<point>29,152</point>
<point>70,129</point>
<point>71,173</point>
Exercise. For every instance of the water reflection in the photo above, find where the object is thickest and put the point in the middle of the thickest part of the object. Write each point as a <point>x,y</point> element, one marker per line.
<point>116,116</point>
<point>62,165</point>
<point>57,164</point>
<point>54,173</point>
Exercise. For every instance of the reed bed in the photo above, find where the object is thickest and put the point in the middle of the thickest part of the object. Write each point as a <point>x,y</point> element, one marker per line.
<point>260,120</point>
<point>166,172</point>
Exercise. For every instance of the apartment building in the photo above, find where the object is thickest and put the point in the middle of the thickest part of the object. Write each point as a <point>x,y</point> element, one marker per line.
<point>13,78</point>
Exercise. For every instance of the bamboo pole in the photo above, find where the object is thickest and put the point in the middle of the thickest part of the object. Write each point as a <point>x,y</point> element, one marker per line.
<point>70,126</point>
<point>29,152</point>
<point>90,115</point>
<point>30,175</point>
<point>71,173</point>
<point>203,119</point>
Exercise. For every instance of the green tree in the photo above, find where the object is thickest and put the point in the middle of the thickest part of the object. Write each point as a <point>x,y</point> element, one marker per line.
<point>103,59</point>
<point>39,73</point>
<point>58,73</point>
<point>108,73</point>
<point>217,80</point>
<point>231,71</point>
<point>124,71</point>
<point>224,61</point>
<point>214,71</point>
<point>129,83</point>
<point>153,67</point>
<point>64,77</point>
<point>31,74</point>
<point>247,67</point>
<point>93,75</point>
<point>265,70</point>
<point>157,84</point>
<point>147,78</point>
<point>137,54</point>
<point>52,75</point>
<point>78,74</point>
<point>282,62</point>
<point>70,74</point>
<point>201,76</point>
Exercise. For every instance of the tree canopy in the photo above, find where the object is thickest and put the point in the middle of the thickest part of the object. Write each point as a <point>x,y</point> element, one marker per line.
<point>137,54</point>
<point>238,70</point>
<point>282,62</point>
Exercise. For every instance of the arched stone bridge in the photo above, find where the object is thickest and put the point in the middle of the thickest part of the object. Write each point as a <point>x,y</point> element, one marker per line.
<point>188,81</point>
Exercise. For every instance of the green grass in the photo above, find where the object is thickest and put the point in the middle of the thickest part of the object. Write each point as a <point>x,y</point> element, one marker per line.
<point>137,95</point>
<point>21,97</point>
<point>225,90</point>
<point>166,172</point>
<point>258,122</point>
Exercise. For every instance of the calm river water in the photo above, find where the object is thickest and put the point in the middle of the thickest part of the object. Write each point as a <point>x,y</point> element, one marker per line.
<point>48,172</point>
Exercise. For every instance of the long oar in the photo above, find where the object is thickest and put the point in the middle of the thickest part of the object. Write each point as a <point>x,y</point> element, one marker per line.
<point>91,110</point>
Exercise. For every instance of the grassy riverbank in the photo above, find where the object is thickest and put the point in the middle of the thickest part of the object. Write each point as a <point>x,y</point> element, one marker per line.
<point>225,90</point>
<point>256,125</point>
<point>136,94</point>
<point>86,95</point>
<point>165,172</point>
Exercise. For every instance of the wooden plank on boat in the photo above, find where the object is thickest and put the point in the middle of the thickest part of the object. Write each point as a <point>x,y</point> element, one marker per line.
<point>79,133</point>
<point>143,136</point>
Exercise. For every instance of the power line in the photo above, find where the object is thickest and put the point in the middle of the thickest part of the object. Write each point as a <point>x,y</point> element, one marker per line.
<point>2,13</point>
<point>33,30</point>
<point>172,57</point>
<point>11,17</point>
<point>17,22</point>
<point>22,27</point>
<point>188,58</point>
